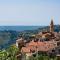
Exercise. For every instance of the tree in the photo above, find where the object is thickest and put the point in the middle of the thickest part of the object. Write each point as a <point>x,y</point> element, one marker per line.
<point>12,50</point>
<point>9,54</point>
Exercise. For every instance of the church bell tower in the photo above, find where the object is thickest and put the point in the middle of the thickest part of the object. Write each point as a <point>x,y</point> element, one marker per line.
<point>51,26</point>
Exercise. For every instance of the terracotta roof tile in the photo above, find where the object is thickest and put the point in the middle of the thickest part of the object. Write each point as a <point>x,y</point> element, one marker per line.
<point>25,50</point>
<point>40,46</point>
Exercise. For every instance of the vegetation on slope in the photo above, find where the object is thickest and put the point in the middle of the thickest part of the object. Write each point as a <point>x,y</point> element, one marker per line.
<point>9,54</point>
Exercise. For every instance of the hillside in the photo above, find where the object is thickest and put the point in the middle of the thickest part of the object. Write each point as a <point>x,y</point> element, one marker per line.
<point>9,37</point>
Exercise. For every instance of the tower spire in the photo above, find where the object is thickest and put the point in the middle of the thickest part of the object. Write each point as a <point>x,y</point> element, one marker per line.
<point>51,26</point>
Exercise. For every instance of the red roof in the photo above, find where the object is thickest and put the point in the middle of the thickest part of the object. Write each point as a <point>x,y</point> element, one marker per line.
<point>40,46</point>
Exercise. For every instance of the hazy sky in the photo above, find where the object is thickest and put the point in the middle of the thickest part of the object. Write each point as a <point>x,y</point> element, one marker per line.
<point>29,12</point>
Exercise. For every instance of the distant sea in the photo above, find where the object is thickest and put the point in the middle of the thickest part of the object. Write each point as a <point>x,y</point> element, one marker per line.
<point>18,28</point>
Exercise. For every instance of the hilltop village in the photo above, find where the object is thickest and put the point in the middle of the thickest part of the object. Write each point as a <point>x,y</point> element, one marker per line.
<point>47,42</point>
